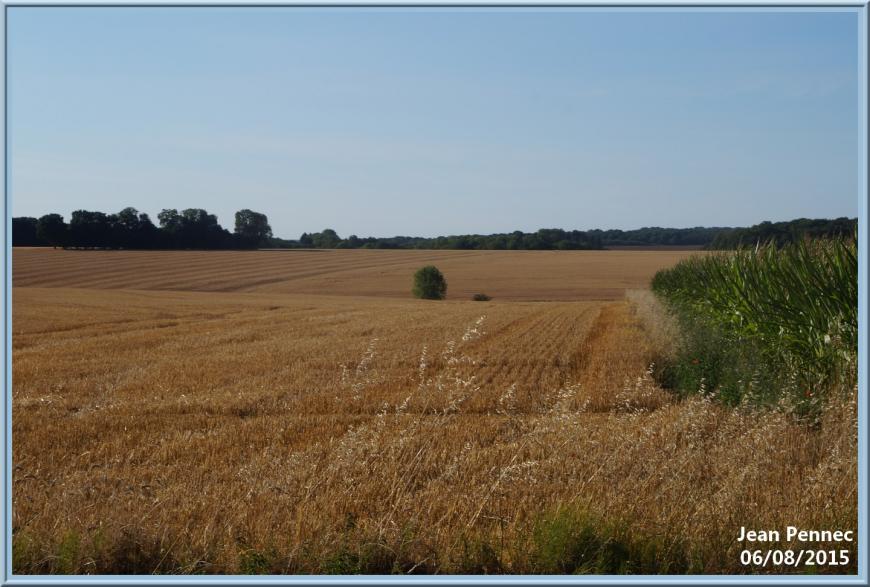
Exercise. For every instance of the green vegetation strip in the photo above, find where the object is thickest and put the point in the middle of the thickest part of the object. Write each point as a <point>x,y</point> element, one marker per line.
<point>765,322</point>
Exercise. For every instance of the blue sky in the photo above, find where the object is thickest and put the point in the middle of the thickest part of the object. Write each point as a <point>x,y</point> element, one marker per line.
<point>436,121</point>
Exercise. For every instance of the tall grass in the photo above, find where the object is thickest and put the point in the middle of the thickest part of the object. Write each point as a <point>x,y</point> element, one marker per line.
<point>770,313</point>
<point>342,435</point>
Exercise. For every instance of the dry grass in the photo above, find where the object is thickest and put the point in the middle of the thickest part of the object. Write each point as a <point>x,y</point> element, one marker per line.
<point>158,431</point>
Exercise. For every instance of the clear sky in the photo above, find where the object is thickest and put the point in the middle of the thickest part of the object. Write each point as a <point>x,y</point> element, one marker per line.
<point>436,121</point>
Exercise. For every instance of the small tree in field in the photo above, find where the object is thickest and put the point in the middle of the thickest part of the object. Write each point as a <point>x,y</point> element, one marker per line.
<point>429,284</point>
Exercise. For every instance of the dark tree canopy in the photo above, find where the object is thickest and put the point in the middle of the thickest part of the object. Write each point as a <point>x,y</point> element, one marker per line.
<point>131,230</point>
<point>170,220</point>
<point>89,229</point>
<point>545,239</point>
<point>253,228</point>
<point>193,228</point>
<point>559,239</point>
<point>429,284</point>
<point>52,230</point>
<point>200,230</point>
<point>24,233</point>
<point>781,233</point>
<point>326,239</point>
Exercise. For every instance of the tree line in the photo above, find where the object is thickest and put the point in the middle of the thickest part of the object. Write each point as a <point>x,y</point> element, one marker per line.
<point>543,239</point>
<point>782,233</point>
<point>713,237</point>
<point>193,228</point>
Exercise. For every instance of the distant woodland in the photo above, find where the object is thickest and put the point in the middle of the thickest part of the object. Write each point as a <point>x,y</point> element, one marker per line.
<point>195,228</point>
<point>782,233</point>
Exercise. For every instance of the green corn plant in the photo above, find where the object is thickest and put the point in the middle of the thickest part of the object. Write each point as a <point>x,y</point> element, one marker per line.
<point>798,302</point>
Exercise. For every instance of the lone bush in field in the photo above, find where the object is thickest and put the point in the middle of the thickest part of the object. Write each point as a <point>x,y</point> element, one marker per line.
<point>481,297</point>
<point>429,284</point>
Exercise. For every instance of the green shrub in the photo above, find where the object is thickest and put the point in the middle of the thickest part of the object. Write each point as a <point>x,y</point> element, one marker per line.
<point>572,541</point>
<point>368,558</point>
<point>707,360</point>
<point>253,562</point>
<point>481,297</point>
<point>429,284</point>
<point>479,557</point>
<point>68,554</point>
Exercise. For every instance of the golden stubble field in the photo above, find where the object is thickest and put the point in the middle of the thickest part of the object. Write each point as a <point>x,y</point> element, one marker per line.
<point>297,412</point>
<point>505,275</point>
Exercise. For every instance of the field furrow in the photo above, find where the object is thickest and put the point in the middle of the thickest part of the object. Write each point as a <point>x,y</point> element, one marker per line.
<point>506,275</point>
<point>191,411</point>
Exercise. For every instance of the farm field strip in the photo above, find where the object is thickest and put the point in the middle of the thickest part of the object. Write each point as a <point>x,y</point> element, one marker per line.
<point>279,337</point>
<point>256,363</point>
<point>109,269</point>
<point>507,275</point>
<point>176,431</point>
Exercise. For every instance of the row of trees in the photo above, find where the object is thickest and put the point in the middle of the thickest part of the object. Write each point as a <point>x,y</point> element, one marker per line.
<point>781,233</point>
<point>193,228</point>
<point>714,237</point>
<point>543,239</point>
<point>656,235</point>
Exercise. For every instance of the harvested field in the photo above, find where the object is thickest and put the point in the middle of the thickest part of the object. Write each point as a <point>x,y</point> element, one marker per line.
<point>506,275</point>
<point>181,412</point>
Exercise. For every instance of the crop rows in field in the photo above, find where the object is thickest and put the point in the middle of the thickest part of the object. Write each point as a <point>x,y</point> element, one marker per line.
<point>505,275</point>
<point>185,411</point>
<point>198,344</point>
<point>198,429</point>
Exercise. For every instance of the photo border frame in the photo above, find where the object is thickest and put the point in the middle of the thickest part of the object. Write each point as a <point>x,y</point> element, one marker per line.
<point>860,7</point>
